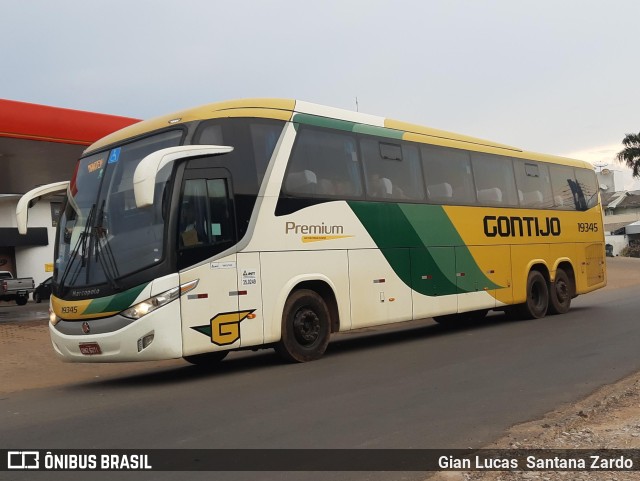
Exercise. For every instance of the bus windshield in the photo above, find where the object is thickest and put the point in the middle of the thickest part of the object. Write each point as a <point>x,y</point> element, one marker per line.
<point>102,235</point>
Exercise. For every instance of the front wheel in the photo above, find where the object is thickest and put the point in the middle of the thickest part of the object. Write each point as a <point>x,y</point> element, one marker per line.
<point>21,301</point>
<point>537,301</point>
<point>37,298</point>
<point>560,293</point>
<point>305,327</point>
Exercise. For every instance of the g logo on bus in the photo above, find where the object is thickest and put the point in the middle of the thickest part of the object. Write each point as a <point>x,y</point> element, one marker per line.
<point>224,328</point>
<point>86,328</point>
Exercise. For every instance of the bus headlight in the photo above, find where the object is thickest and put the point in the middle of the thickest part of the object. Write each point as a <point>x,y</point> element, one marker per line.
<point>53,319</point>
<point>145,307</point>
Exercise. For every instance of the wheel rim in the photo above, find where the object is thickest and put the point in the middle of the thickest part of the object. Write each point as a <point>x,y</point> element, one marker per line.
<point>306,327</point>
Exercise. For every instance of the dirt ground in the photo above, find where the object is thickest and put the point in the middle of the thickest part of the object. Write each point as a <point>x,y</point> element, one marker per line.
<point>609,418</point>
<point>27,361</point>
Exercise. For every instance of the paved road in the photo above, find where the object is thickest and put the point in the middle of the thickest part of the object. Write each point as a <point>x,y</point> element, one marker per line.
<point>10,312</point>
<point>414,386</point>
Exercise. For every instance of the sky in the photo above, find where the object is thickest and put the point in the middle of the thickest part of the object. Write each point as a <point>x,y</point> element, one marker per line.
<point>558,77</point>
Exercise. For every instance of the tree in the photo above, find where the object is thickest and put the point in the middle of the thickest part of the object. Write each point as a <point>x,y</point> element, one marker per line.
<point>630,155</point>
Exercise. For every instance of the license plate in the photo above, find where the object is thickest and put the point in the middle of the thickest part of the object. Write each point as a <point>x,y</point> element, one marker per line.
<point>90,348</point>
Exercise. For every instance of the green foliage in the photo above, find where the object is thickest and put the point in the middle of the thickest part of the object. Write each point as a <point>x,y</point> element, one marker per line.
<point>630,155</point>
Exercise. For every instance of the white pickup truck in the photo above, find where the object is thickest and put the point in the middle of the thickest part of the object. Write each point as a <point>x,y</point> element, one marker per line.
<point>12,289</point>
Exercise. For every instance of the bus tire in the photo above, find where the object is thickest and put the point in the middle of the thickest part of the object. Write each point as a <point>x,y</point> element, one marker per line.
<point>207,359</point>
<point>537,301</point>
<point>560,293</point>
<point>306,327</point>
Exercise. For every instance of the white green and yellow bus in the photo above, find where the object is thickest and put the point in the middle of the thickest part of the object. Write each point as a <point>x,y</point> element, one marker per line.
<point>275,223</point>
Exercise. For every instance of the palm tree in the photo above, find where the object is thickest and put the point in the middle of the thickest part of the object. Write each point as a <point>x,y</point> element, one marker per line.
<point>630,155</point>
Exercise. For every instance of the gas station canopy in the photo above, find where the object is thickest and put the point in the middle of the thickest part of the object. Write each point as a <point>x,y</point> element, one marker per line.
<point>40,144</point>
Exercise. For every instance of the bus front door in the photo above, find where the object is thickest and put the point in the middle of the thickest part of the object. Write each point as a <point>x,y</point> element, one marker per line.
<point>207,228</point>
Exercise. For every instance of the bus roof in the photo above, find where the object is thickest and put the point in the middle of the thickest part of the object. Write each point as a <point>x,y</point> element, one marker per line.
<point>309,113</point>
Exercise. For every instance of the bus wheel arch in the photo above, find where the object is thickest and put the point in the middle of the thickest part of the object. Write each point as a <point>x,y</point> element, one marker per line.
<point>306,325</point>
<point>328,296</point>
<point>537,301</point>
<point>562,289</point>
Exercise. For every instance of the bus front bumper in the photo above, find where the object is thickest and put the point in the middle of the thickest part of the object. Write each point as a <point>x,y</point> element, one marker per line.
<point>155,336</point>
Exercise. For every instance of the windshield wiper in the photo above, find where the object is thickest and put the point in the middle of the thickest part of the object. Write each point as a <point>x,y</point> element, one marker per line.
<point>81,243</point>
<point>107,260</point>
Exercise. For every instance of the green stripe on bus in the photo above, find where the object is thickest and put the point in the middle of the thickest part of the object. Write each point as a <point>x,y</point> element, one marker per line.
<point>323,122</point>
<point>436,250</point>
<point>344,125</point>
<point>379,131</point>
<point>99,305</point>
<point>433,226</point>
<point>115,303</point>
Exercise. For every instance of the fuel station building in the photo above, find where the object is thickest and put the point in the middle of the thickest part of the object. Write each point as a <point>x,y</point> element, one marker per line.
<point>39,145</point>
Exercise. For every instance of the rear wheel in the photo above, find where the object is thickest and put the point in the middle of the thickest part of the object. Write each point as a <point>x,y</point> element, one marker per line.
<point>306,327</point>
<point>207,359</point>
<point>537,301</point>
<point>21,301</point>
<point>560,293</point>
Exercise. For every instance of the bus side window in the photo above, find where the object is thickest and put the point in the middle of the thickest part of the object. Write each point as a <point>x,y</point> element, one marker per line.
<point>323,163</point>
<point>392,170</point>
<point>221,216</point>
<point>588,187</point>
<point>490,195</point>
<point>534,185</point>
<point>211,134</point>
<point>264,137</point>
<point>495,182</point>
<point>442,191</point>
<point>194,216</point>
<point>206,216</point>
<point>563,183</point>
<point>303,182</point>
<point>447,174</point>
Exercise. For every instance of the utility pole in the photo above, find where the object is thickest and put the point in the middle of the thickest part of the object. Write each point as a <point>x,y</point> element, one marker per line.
<point>357,107</point>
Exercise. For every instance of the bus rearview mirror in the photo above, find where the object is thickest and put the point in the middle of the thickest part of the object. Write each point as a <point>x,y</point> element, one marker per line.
<point>144,177</point>
<point>29,199</point>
